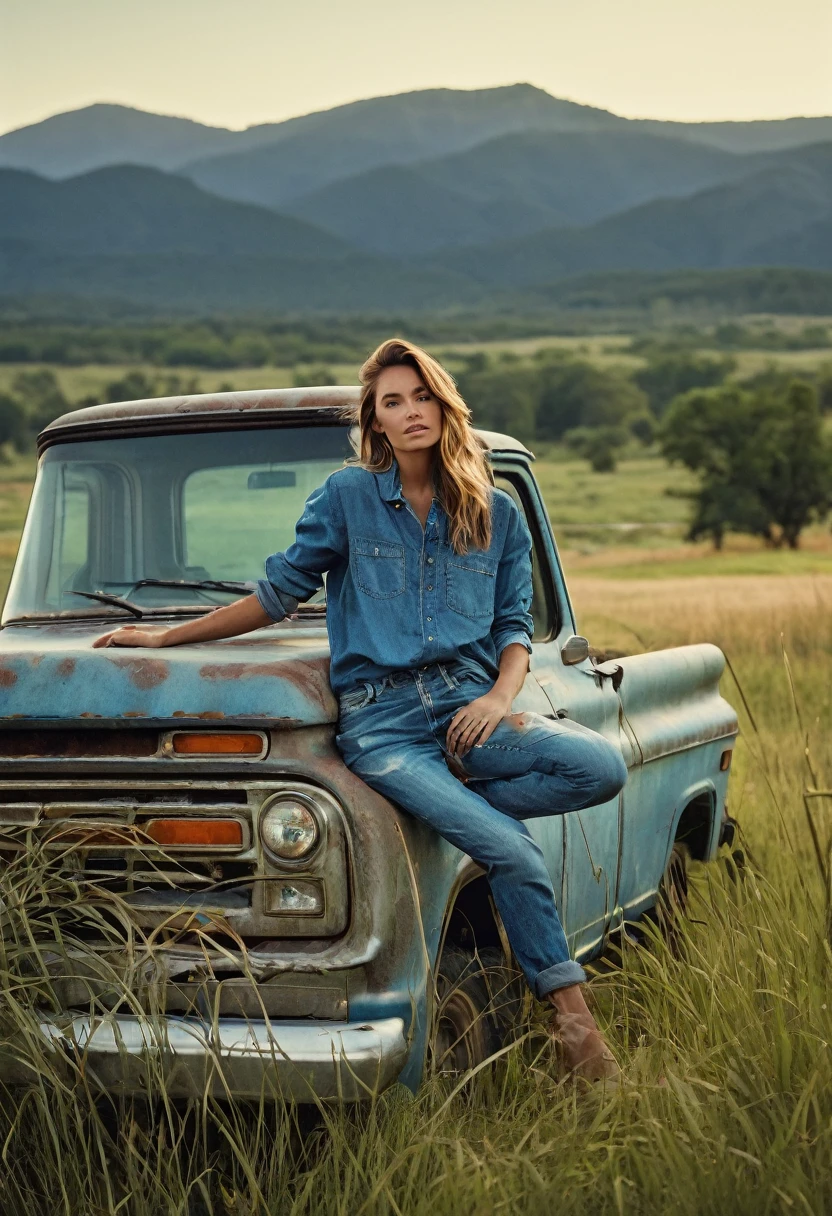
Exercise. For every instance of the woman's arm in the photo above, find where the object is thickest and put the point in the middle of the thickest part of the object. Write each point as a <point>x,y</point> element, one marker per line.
<point>240,617</point>
<point>513,590</point>
<point>320,541</point>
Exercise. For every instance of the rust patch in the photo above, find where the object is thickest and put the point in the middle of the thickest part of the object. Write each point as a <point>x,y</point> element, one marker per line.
<point>134,713</point>
<point>66,667</point>
<point>310,677</point>
<point>8,678</point>
<point>239,671</point>
<point>87,714</point>
<point>145,673</point>
<point>212,715</point>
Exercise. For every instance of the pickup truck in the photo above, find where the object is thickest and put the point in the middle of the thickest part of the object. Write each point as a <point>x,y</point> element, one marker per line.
<point>236,912</point>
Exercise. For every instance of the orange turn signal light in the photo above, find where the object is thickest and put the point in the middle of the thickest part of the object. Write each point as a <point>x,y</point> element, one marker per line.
<point>217,743</point>
<point>725,760</point>
<point>225,833</point>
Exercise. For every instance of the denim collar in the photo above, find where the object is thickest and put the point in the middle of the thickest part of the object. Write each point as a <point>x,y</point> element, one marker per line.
<point>390,483</point>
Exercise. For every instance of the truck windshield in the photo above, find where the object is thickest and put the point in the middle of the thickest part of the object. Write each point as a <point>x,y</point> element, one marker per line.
<point>109,513</point>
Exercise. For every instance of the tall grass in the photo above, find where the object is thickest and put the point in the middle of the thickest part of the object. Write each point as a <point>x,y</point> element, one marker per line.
<point>727,1099</point>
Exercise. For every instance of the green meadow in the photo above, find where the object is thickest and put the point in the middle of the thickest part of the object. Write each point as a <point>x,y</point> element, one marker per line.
<point>726,1103</point>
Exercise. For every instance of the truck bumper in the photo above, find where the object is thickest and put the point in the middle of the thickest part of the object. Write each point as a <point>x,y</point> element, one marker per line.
<point>230,1057</point>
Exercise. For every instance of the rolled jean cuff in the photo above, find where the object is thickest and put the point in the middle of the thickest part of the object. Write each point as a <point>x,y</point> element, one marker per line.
<point>278,604</point>
<point>559,976</point>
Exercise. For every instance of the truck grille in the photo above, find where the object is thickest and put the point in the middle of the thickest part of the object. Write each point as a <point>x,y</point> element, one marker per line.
<point>101,835</point>
<point>178,853</point>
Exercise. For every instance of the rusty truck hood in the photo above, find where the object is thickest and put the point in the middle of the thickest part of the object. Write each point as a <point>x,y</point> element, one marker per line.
<point>277,676</point>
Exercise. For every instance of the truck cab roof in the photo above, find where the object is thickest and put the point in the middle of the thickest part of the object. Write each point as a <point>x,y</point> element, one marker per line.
<point>221,411</point>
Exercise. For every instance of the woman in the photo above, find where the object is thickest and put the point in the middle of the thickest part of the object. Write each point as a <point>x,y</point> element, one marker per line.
<point>428,592</point>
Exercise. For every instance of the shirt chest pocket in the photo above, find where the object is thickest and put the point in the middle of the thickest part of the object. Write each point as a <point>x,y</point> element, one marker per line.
<point>469,585</point>
<point>377,567</point>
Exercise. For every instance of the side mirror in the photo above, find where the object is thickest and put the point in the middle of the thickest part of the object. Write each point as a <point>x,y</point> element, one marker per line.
<point>574,650</point>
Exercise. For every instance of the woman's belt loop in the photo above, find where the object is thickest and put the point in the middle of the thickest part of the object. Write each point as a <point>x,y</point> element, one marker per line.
<point>451,681</point>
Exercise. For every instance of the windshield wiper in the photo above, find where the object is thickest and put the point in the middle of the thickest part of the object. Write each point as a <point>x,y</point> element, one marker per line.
<point>203,584</point>
<point>116,600</point>
<point>206,584</point>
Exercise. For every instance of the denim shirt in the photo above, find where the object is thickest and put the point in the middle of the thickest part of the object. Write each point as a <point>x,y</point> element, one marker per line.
<point>398,596</point>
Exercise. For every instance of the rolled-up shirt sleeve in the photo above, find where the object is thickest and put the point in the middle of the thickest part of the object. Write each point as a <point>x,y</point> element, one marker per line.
<point>320,540</point>
<point>513,591</point>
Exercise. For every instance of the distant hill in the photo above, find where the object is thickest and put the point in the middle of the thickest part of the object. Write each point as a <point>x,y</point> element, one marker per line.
<point>311,152</point>
<point>737,224</point>
<point>80,140</point>
<point>223,284</point>
<point>273,162</point>
<point>156,239</point>
<point>760,135</point>
<point>130,210</point>
<point>810,246</point>
<point>511,187</point>
<point>739,291</point>
<point>403,127</point>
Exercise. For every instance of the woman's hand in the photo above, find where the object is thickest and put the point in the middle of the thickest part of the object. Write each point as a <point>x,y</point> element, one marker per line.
<point>476,722</point>
<point>132,635</point>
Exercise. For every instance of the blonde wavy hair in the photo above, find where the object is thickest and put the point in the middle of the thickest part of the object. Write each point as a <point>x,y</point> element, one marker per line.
<point>461,473</point>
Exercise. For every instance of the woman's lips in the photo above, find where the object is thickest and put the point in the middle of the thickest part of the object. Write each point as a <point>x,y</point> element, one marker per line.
<point>412,429</point>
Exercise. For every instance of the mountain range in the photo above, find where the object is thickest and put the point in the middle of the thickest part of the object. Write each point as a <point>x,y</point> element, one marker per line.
<point>424,199</point>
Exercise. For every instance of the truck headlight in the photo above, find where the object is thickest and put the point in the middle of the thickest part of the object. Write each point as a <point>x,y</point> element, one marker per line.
<point>289,829</point>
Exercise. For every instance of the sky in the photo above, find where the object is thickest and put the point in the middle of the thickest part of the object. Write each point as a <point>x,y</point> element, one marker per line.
<point>237,62</point>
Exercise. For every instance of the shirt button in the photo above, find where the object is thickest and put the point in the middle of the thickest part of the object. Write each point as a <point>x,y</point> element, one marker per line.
<point>430,561</point>
<point>398,506</point>
<point>430,618</point>
<point>430,637</point>
<point>430,586</point>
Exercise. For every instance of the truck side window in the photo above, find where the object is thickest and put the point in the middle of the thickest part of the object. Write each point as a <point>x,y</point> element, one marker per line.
<point>544,606</point>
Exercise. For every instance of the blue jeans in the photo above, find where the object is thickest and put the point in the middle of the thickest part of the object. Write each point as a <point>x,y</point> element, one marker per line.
<point>392,735</point>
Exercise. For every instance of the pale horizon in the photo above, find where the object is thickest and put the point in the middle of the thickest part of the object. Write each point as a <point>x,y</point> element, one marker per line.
<point>260,61</point>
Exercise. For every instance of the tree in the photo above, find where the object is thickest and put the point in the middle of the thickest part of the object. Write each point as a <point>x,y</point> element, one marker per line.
<point>503,399</point>
<point>312,377</point>
<point>667,376</point>
<point>41,397</point>
<point>643,427</point>
<point>573,394</point>
<point>12,422</point>
<point>799,482</point>
<point>763,461</point>
<point>135,386</point>
<point>597,444</point>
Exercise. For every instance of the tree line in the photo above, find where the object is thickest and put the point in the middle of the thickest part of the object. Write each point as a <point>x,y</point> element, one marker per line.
<point>759,447</point>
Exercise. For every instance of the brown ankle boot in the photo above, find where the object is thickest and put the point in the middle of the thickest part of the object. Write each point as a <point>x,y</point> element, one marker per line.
<point>585,1053</point>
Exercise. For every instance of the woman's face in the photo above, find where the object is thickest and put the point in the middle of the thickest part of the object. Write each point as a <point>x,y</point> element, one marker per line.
<point>406,411</point>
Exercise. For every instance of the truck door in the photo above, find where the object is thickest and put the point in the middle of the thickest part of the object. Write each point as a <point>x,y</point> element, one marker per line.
<point>589,840</point>
<point>547,831</point>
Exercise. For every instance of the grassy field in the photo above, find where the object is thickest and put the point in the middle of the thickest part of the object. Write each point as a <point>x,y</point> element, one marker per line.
<point>727,1100</point>
<point>604,349</point>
